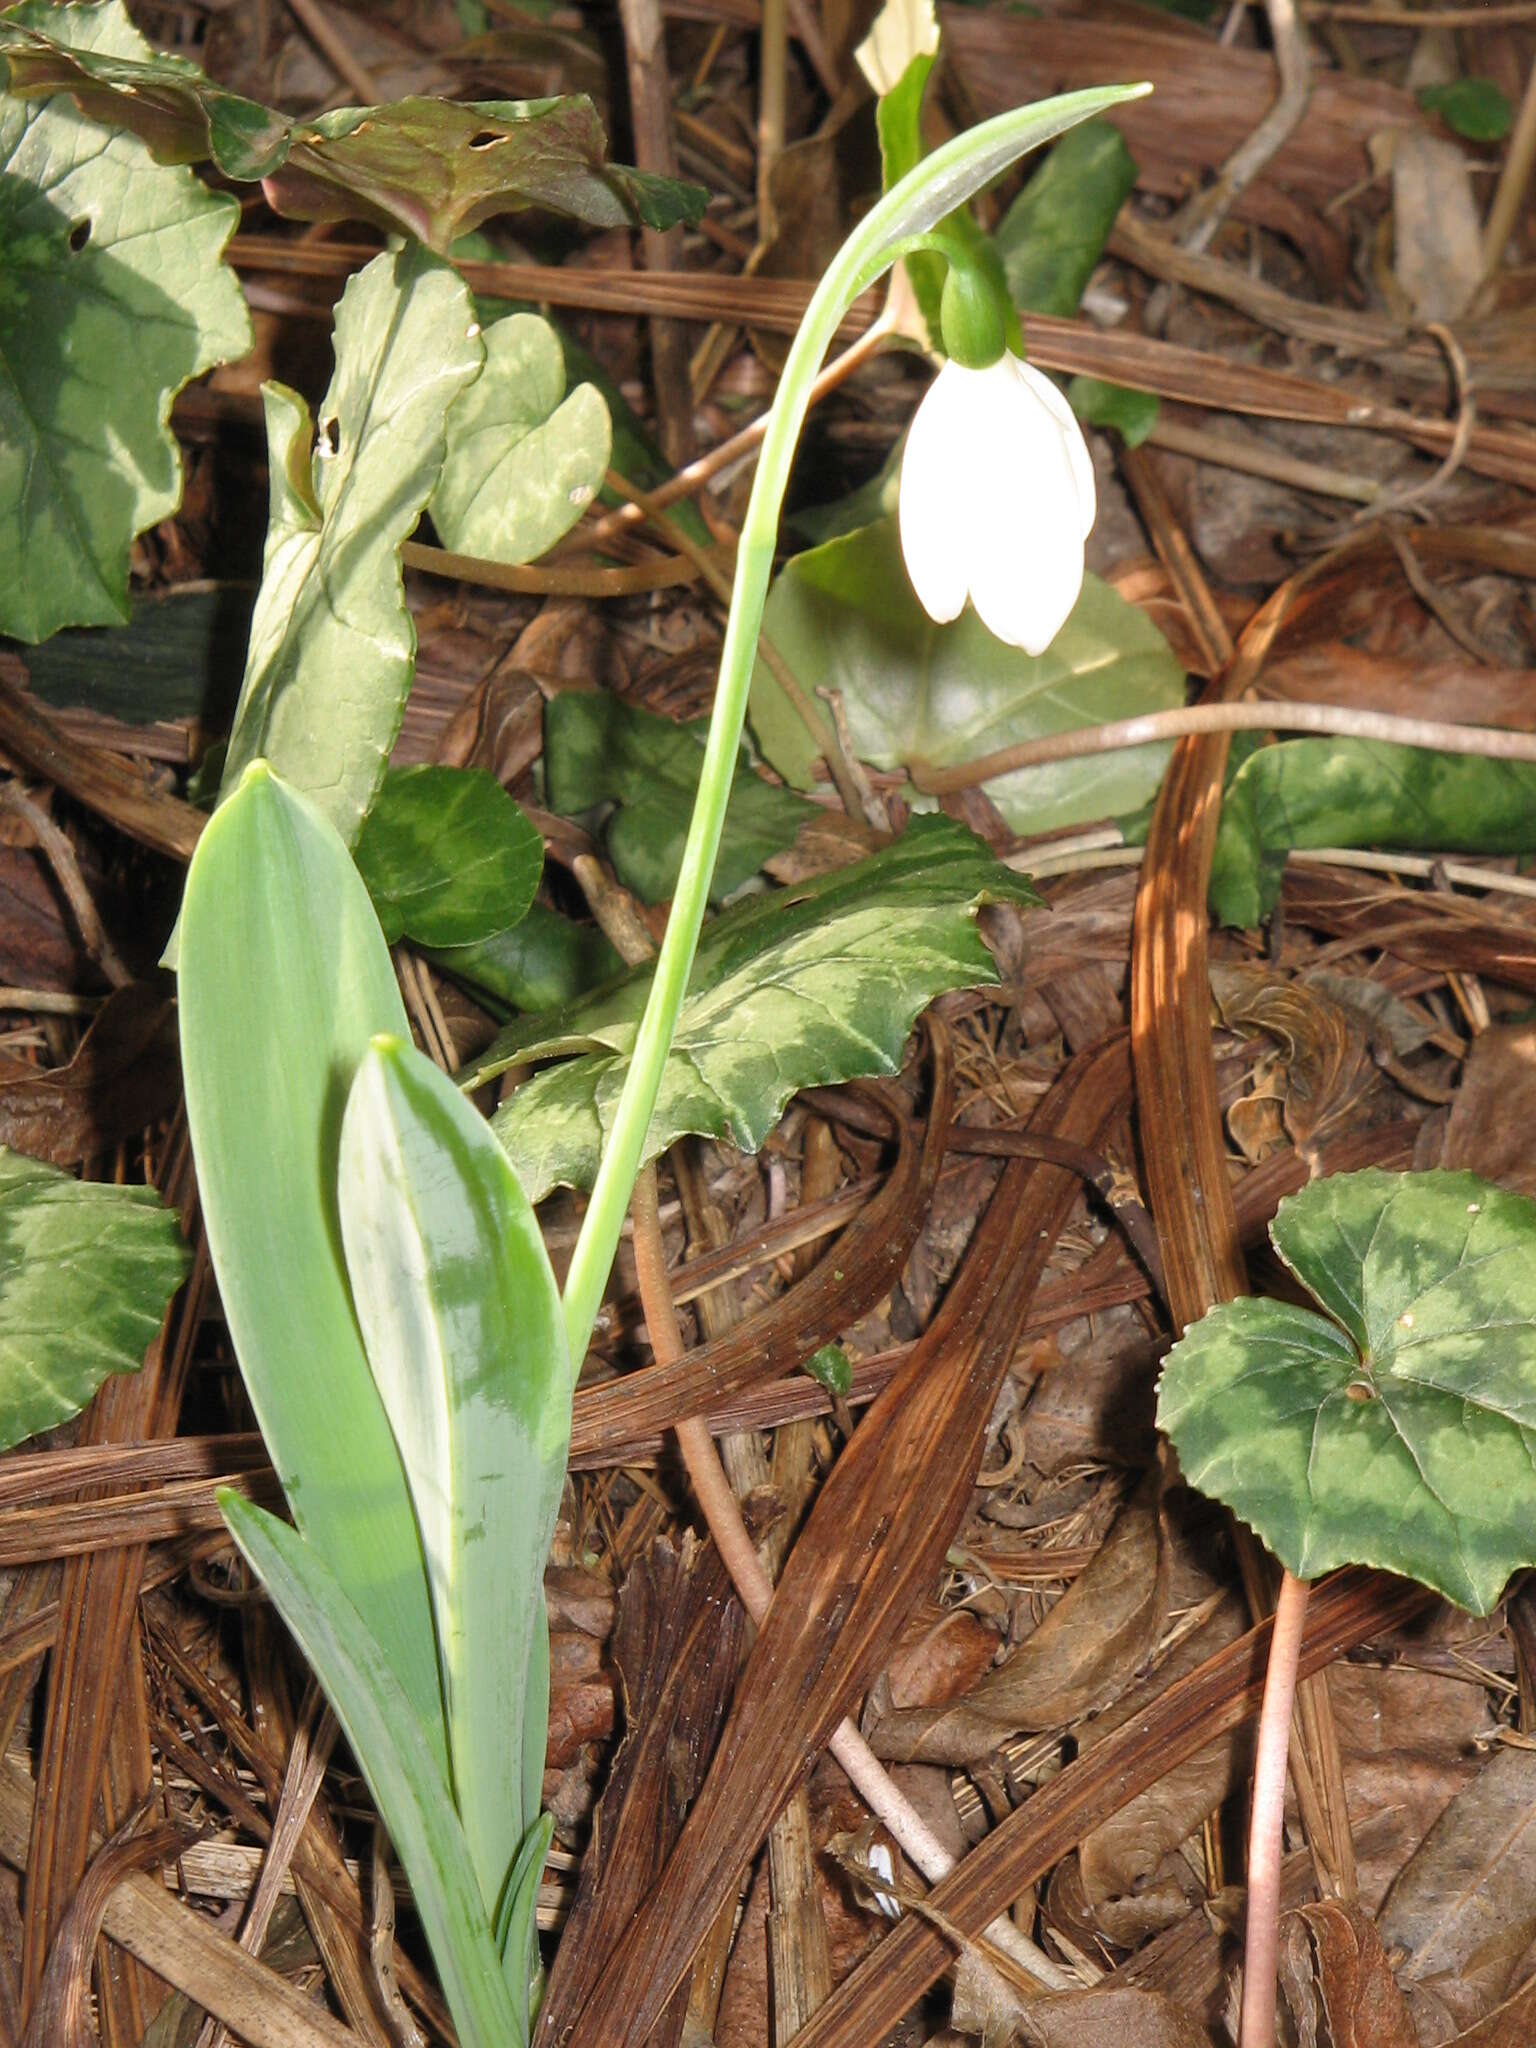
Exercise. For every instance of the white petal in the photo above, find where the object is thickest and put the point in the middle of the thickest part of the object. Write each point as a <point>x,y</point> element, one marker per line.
<point>1072,438</point>
<point>1026,579</point>
<point>934,503</point>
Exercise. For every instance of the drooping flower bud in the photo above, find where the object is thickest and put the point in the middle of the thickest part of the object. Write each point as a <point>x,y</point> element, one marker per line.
<point>997,499</point>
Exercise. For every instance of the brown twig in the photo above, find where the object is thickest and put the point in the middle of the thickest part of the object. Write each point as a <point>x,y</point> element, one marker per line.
<point>60,856</point>
<point>1341,721</point>
<point>665,572</point>
<point>336,50</point>
<point>650,106</point>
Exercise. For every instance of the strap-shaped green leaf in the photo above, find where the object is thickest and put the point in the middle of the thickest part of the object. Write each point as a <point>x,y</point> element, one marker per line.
<point>284,979</point>
<point>462,1320</point>
<point>401,1771</point>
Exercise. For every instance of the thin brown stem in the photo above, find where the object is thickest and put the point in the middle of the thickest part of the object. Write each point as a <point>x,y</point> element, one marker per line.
<point>1336,720</point>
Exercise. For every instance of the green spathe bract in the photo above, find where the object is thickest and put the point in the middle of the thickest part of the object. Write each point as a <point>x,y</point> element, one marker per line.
<point>1397,1427</point>
<point>333,645</point>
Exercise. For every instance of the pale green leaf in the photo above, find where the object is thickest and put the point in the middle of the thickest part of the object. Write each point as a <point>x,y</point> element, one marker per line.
<point>523,460</point>
<point>448,857</point>
<point>333,645</point>
<point>810,985</point>
<point>1339,792</point>
<point>463,1326</point>
<point>1397,1428</point>
<point>599,748</point>
<point>86,1273</point>
<point>845,615</point>
<point>403,1775</point>
<point>113,294</point>
<point>284,979</point>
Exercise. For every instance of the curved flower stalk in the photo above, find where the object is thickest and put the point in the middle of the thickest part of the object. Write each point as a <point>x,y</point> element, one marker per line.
<point>907,217</point>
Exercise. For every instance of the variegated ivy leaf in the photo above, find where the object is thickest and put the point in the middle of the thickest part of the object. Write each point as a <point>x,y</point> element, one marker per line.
<point>86,1273</point>
<point>813,984</point>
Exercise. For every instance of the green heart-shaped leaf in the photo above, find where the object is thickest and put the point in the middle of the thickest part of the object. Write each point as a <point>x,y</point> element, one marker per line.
<point>1398,1428</point>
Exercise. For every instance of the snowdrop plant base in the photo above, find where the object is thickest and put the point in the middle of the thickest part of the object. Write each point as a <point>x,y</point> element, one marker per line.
<point>398,1327</point>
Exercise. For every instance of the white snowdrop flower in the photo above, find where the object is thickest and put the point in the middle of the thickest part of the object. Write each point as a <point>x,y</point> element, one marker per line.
<point>997,498</point>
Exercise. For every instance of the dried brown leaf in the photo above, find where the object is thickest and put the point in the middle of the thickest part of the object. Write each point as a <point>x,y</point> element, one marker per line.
<point>1491,1118</point>
<point>123,1077</point>
<point>1082,1655</point>
<point>1464,1908</point>
<point>1360,1996</point>
<point>1119,1860</point>
<point>676,1644</point>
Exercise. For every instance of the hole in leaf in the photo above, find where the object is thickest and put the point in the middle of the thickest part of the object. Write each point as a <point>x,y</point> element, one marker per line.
<point>79,235</point>
<point>328,439</point>
<point>486,139</point>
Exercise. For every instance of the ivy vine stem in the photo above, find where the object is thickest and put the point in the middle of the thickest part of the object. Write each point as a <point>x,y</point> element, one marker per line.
<point>913,208</point>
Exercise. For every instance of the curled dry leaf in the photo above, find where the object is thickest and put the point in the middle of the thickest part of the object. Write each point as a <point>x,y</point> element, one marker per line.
<point>1122,2018</point>
<point>1120,1861</point>
<point>1082,1655</point>
<point>1360,1996</point>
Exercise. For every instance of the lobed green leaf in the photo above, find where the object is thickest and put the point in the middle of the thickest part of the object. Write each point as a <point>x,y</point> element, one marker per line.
<point>523,460</point>
<point>448,857</point>
<point>814,984</point>
<point>113,294</point>
<point>1339,792</point>
<point>1398,1428</point>
<point>915,691</point>
<point>599,749</point>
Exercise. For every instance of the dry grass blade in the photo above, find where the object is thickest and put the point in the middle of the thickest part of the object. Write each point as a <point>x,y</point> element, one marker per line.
<point>264,2009</point>
<point>61,2011</point>
<point>94,1672</point>
<point>1433,931</point>
<point>872,1542</point>
<point>1225,1691</point>
<point>676,1647</point>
